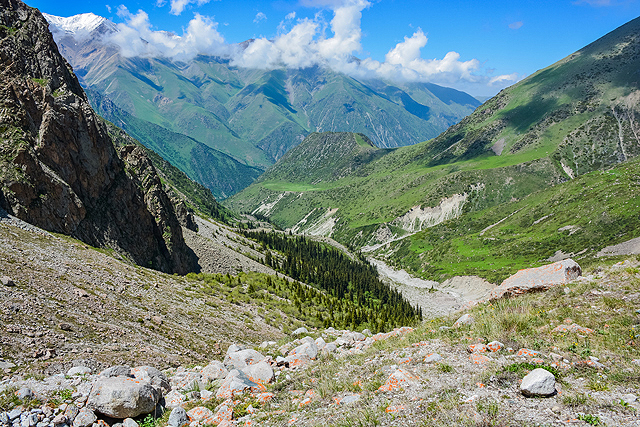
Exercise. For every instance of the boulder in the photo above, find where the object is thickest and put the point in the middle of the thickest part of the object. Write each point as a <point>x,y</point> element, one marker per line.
<point>173,399</point>
<point>85,418</point>
<point>78,370</point>
<point>538,383</point>
<point>152,375</point>
<point>201,415</point>
<point>465,319</point>
<point>300,331</point>
<point>120,397</point>
<point>320,343</point>
<point>213,371</point>
<point>117,371</point>
<point>329,348</point>
<point>129,422</point>
<point>236,382</point>
<point>178,417</point>
<point>538,279</point>
<point>71,412</point>
<point>242,358</point>
<point>298,360</point>
<point>25,393</point>
<point>260,372</point>
<point>432,358</point>
<point>308,348</point>
<point>188,380</point>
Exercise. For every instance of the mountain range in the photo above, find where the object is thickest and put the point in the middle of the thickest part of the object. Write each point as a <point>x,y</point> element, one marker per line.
<point>208,115</point>
<point>574,117</point>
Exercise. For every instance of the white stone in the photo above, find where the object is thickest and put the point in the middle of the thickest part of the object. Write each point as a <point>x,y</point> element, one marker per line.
<point>78,370</point>
<point>465,319</point>
<point>538,382</point>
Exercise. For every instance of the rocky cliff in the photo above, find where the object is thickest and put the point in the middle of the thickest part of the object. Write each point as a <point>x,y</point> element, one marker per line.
<point>58,167</point>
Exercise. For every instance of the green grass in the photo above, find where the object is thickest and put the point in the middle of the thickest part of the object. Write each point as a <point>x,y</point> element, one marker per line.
<point>603,206</point>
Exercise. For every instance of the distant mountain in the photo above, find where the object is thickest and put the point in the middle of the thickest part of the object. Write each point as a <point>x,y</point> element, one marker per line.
<point>576,116</point>
<point>254,116</point>
<point>59,168</point>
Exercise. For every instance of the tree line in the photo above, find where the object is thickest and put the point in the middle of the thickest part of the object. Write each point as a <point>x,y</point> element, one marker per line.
<point>354,284</point>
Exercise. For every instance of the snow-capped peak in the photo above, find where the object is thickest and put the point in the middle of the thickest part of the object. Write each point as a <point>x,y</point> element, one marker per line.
<point>83,23</point>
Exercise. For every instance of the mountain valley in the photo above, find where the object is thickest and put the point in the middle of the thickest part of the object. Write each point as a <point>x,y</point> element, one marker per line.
<point>207,107</point>
<point>568,120</point>
<point>351,275</point>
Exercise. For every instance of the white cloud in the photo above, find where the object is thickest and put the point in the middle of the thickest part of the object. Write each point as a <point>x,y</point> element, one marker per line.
<point>516,25</point>
<point>136,38</point>
<point>259,17</point>
<point>178,6</point>
<point>305,43</point>
<point>505,78</point>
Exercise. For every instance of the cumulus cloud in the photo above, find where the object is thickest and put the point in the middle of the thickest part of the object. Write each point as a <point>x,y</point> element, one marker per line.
<point>178,6</point>
<point>304,43</point>
<point>516,25</point>
<point>136,38</point>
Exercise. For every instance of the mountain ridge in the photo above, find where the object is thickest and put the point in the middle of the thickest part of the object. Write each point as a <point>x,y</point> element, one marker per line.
<point>256,116</point>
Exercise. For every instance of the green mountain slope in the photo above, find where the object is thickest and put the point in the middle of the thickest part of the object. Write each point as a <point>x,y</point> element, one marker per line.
<point>256,116</point>
<point>571,118</point>
<point>575,219</point>
<point>217,171</point>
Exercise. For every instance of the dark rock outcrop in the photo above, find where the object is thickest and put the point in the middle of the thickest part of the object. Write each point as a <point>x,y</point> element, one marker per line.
<point>58,167</point>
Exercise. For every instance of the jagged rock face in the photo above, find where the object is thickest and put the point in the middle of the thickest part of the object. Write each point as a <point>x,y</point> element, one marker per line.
<point>58,167</point>
<point>168,229</point>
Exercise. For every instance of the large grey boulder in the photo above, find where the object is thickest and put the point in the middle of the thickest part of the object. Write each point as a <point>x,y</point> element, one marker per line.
<point>237,382</point>
<point>308,348</point>
<point>260,372</point>
<point>152,375</point>
<point>213,371</point>
<point>538,279</point>
<point>117,371</point>
<point>242,358</point>
<point>538,382</point>
<point>465,319</point>
<point>120,397</point>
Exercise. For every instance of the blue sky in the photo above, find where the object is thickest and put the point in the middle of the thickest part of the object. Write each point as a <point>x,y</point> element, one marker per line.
<point>478,47</point>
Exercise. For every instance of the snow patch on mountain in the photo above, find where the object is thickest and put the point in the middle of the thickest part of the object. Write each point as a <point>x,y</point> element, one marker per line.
<point>82,24</point>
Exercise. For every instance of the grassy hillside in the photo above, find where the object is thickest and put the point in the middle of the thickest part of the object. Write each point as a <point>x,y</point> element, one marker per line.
<point>567,120</point>
<point>219,172</point>
<point>577,218</point>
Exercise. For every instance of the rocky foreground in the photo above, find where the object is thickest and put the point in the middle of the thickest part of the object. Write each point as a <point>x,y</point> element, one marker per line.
<point>336,378</point>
